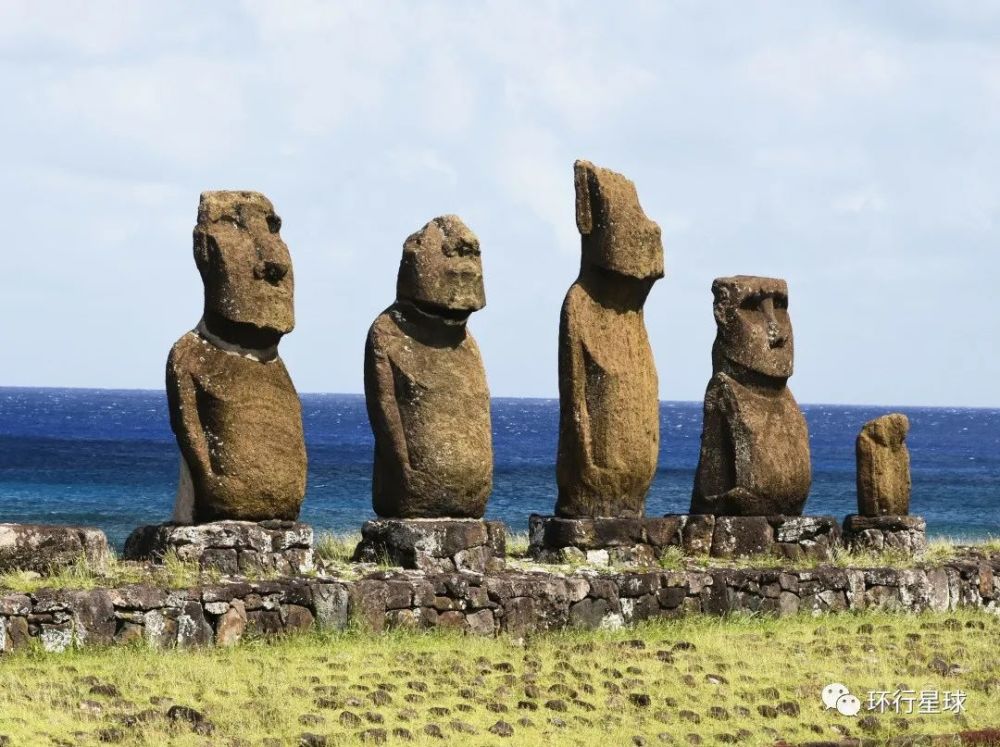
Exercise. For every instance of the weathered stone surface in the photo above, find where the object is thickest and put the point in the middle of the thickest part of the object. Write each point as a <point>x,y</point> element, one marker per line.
<point>44,548</point>
<point>331,606</point>
<point>230,626</point>
<point>741,536</point>
<point>884,467</point>
<point>755,445</point>
<point>233,408</point>
<point>434,544</point>
<point>609,426</point>
<point>641,541</point>
<point>696,536</point>
<point>517,603</point>
<point>904,534</point>
<point>93,617</point>
<point>425,385</point>
<point>229,547</point>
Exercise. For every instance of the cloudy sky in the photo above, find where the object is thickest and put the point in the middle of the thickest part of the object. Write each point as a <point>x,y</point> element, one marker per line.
<point>851,148</point>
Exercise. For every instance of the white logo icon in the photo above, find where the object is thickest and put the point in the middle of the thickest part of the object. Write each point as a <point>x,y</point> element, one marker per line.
<point>836,696</point>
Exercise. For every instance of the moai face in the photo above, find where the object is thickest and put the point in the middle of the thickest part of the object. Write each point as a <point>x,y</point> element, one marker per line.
<point>441,271</point>
<point>243,261</point>
<point>617,235</point>
<point>754,329</point>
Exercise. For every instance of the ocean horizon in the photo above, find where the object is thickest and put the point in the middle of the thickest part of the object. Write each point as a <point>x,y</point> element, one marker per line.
<point>107,458</point>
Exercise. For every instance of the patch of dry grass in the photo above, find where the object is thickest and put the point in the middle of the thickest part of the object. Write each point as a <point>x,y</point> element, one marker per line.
<point>743,680</point>
<point>173,573</point>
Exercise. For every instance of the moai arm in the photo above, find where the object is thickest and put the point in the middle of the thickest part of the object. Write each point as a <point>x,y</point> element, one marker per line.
<point>573,393</point>
<point>383,409</point>
<point>182,399</point>
<point>721,473</point>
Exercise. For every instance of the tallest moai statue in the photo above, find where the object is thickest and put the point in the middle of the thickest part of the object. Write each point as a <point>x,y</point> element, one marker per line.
<point>609,425</point>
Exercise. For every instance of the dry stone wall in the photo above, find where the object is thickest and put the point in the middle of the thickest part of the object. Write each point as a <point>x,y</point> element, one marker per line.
<point>512,603</point>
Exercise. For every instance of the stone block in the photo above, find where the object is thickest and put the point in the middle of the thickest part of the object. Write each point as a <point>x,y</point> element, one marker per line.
<point>741,536</point>
<point>45,548</point>
<point>229,547</point>
<point>434,545</point>
<point>696,536</point>
<point>903,534</point>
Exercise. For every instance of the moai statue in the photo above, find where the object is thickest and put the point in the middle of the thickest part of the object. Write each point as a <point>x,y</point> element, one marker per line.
<point>425,385</point>
<point>884,467</point>
<point>609,426</point>
<point>754,443</point>
<point>233,408</point>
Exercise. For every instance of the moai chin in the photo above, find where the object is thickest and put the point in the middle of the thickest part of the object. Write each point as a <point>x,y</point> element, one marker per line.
<point>754,443</point>
<point>609,426</point>
<point>425,386</point>
<point>233,408</point>
<point>884,467</point>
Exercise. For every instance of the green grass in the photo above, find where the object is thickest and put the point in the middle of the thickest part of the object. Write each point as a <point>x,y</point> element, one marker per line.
<point>333,554</point>
<point>337,548</point>
<point>615,686</point>
<point>174,573</point>
<point>517,544</point>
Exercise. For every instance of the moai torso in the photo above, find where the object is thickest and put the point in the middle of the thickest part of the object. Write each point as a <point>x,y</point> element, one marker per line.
<point>425,385</point>
<point>239,421</point>
<point>233,408</point>
<point>754,457</point>
<point>884,467</point>
<point>754,452</point>
<point>608,390</point>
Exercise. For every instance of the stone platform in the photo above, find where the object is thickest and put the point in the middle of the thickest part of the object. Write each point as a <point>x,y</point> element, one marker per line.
<point>643,540</point>
<point>517,604</point>
<point>44,548</point>
<point>905,534</point>
<point>230,547</point>
<point>438,545</point>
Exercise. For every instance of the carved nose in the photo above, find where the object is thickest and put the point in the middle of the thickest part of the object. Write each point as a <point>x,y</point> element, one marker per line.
<point>774,337</point>
<point>273,272</point>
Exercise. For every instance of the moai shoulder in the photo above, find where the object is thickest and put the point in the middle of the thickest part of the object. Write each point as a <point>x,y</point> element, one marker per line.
<point>233,408</point>
<point>755,444</point>
<point>608,389</point>
<point>425,384</point>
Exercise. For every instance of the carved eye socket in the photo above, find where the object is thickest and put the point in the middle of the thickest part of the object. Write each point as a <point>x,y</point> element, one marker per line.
<point>752,302</point>
<point>780,301</point>
<point>274,223</point>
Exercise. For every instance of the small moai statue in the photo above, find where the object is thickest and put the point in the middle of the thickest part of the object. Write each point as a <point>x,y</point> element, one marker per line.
<point>609,426</point>
<point>425,385</point>
<point>884,467</point>
<point>754,444</point>
<point>233,408</point>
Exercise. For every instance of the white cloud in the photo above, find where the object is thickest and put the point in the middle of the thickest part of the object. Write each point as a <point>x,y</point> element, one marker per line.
<point>763,140</point>
<point>866,198</point>
<point>825,69</point>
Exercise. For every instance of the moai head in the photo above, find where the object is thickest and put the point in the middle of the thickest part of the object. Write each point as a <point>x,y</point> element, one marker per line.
<point>753,326</point>
<point>616,233</point>
<point>441,271</point>
<point>243,262</point>
<point>888,430</point>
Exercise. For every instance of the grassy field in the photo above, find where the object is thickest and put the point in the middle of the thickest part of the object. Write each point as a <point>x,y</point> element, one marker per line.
<point>745,681</point>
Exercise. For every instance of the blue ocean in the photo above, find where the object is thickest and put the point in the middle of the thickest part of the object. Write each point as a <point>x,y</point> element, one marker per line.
<point>107,458</point>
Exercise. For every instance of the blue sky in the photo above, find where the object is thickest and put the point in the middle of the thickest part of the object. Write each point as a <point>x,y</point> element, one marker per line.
<point>851,148</point>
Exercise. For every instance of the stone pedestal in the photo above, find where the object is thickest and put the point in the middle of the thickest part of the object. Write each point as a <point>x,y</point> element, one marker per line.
<point>45,549</point>
<point>904,534</point>
<point>230,547</point>
<point>641,541</point>
<point>435,545</point>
